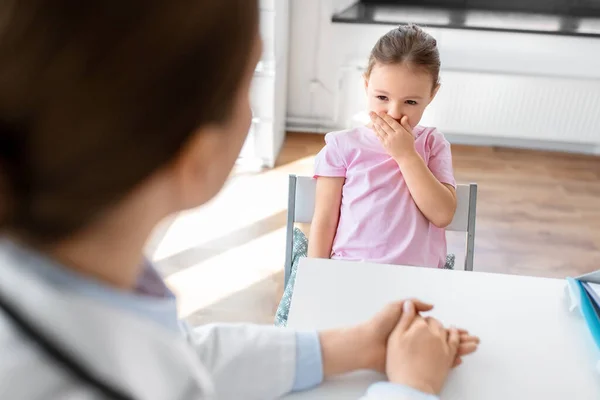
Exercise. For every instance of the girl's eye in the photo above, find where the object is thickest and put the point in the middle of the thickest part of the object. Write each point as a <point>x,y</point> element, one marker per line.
<point>411,102</point>
<point>382,98</point>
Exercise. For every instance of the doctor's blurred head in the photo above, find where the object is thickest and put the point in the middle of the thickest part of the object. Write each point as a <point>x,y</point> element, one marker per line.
<point>115,114</point>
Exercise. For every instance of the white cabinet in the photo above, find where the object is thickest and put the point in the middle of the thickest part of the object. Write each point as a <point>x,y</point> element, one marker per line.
<point>268,92</point>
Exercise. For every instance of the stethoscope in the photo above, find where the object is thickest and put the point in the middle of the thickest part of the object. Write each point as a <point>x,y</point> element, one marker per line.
<point>61,356</point>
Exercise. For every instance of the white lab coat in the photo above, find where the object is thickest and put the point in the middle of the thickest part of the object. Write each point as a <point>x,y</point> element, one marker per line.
<point>140,357</point>
<point>137,356</point>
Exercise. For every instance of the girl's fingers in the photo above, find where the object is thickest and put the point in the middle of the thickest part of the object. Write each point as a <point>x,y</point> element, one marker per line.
<point>405,124</point>
<point>380,135</point>
<point>391,122</point>
<point>377,123</point>
<point>389,126</point>
<point>384,122</point>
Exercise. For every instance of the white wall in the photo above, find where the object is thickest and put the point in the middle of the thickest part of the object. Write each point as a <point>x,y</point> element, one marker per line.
<point>529,87</point>
<point>315,58</point>
<point>268,93</point>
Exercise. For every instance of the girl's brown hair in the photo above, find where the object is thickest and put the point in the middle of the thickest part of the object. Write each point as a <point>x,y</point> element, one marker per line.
<point>407,44</point>
<point>96,95</point>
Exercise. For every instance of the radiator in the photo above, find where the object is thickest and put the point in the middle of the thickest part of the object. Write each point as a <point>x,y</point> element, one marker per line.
<point>503,106</point>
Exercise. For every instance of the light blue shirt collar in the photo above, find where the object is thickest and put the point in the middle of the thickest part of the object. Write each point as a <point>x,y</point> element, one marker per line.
<point>151,298</point>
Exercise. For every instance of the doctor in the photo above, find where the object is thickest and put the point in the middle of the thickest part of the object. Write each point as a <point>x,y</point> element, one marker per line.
<point>114,115</point>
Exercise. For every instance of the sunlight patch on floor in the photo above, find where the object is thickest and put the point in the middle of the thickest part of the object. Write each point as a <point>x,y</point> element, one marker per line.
<point>233,282</point>
<point>245,200</point>
<point>217,278</point>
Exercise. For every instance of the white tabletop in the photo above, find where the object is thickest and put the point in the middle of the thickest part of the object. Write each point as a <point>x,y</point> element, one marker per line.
<point>532,347</point>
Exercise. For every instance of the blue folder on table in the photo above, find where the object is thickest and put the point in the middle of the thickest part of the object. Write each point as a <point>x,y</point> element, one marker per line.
<point>585,293</point>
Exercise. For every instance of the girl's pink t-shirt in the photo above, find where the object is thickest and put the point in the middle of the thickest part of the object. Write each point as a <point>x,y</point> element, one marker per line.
<point>379,220</point>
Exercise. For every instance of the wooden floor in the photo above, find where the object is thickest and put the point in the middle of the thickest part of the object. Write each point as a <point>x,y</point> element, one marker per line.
<point>538,214</point>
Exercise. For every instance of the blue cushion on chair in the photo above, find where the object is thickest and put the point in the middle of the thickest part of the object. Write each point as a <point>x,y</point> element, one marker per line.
<point>450,259</point>
<point>299,250</point>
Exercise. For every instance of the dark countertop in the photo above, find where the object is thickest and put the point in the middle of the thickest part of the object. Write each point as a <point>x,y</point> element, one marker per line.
<point>456,18</point>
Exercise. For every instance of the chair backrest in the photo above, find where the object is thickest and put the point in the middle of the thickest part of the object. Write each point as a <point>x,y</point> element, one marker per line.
<point>301,206</point>
<point>466,201</point>
<point>304,206</point>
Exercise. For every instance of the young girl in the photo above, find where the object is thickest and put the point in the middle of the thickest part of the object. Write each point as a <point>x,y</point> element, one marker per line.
<point>386,191</point>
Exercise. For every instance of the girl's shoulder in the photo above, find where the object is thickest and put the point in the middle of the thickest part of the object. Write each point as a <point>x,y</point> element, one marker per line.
<point>425,132</point>
<point>353,134</point>
<point>349,138</point>
<point>429,136</point>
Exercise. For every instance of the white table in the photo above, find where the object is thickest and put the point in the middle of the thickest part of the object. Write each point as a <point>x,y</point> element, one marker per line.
<point>532,347</point>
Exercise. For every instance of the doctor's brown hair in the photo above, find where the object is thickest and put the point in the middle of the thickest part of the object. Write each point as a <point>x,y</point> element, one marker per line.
<point>407,44</point>
<point>96,95</point>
